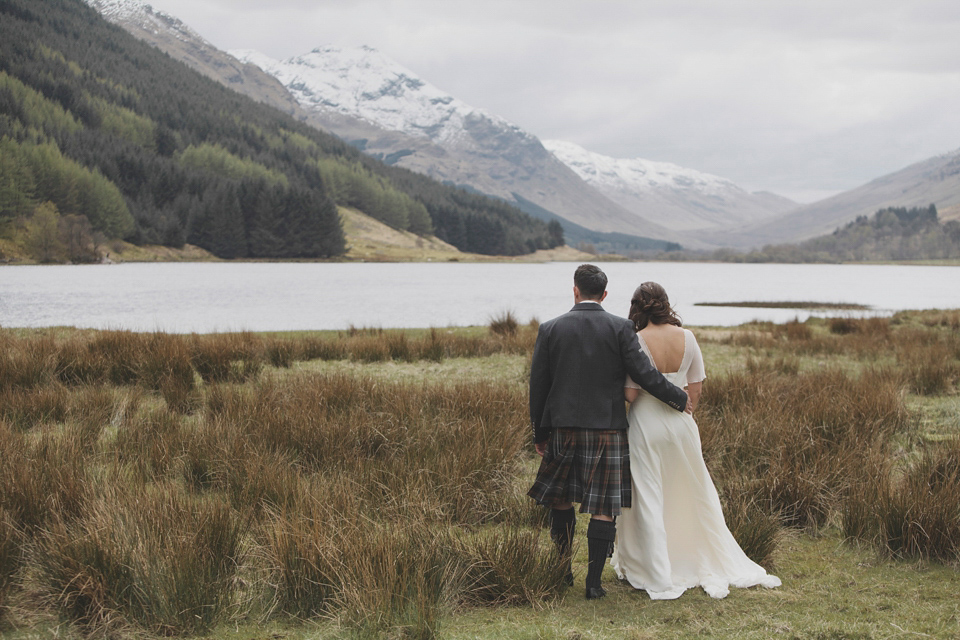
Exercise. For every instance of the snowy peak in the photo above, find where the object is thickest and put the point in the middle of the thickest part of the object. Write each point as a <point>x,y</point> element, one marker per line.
<point>363,83</point>
<point>681,198</point>
<point>635,173</point>
<point>134,13</point>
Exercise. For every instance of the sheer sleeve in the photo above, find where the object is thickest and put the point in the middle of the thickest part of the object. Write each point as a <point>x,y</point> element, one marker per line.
<point>696,372</point>
<point>630,384</point>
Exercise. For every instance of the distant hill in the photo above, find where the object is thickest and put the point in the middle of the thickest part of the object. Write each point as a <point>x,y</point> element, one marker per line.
<point>936,180</point>
<point>123,141</point>
<point>890,234</point>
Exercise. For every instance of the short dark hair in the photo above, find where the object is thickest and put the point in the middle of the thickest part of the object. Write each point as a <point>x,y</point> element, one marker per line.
<point>590,280</point>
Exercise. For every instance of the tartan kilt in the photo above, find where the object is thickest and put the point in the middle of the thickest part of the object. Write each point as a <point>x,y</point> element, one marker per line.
<point>588,466</point>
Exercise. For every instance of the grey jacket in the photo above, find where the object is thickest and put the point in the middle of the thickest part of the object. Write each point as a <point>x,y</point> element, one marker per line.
<point>580,363</point>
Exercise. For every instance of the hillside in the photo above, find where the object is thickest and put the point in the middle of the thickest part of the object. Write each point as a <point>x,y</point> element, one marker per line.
<point>124,142</point>
<point>935,180</point>
<point>890,234</point>
<point>391,113</point>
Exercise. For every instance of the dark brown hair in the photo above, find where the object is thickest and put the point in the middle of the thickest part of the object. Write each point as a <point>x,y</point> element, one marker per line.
<point>590,280</point>
<point>651,304</point>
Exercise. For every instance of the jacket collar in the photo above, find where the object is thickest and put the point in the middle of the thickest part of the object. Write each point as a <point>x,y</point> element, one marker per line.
<point>587,306</point>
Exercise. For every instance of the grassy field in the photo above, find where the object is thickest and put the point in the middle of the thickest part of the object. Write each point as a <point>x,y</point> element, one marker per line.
<point>369,483</point>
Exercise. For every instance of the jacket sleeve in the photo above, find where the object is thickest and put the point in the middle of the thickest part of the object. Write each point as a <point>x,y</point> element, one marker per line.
<point>646,375</point>
<point>540,383</point>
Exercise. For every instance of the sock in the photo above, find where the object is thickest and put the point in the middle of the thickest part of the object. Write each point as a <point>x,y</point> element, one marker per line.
<point>600,535</point>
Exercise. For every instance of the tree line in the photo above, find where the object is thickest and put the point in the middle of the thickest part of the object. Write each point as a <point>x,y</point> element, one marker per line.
<point>103,126</point>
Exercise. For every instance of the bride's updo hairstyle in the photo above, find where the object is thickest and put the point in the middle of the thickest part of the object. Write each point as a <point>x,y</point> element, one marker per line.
<point>651,304</point>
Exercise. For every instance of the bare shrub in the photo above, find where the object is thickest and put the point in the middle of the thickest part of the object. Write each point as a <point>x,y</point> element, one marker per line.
<point>843,326</point>
<point>795,330</point>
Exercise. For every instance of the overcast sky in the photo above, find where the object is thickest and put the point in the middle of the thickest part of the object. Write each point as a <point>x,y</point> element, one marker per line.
<point>803,98</point>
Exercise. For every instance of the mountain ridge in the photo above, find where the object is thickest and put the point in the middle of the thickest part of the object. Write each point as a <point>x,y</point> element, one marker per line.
<point>370,100</point>
<point>691,199</point>
<point>935,180</point>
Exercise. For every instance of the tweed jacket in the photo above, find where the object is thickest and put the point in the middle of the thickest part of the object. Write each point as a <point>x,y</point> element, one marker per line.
<point>580,362</point>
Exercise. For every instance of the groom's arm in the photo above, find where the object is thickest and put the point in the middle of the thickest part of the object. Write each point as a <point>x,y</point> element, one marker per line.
<point>646,375</point>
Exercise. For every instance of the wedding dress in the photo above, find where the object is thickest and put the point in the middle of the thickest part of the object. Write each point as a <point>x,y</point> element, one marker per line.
<point>674,537</point>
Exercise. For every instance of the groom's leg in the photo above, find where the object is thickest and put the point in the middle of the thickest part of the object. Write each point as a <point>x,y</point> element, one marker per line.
<point>563,522</point>
<point>600,535</point>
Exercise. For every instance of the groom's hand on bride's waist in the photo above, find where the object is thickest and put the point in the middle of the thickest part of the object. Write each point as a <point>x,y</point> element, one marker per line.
<point>541,447</point>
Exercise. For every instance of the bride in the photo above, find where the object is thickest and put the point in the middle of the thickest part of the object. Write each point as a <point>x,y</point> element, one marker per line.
<point>674,537</point>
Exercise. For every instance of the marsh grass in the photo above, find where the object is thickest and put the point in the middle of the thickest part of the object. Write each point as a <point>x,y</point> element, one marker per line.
<point>157,484</point>
<point>153,557</point>
<point>913,512</point>
<point>10,557</point>
<point>791,441</point>
<point>504,324</point>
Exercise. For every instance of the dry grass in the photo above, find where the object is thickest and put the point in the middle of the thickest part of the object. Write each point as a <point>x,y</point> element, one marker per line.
<point>162,484</point>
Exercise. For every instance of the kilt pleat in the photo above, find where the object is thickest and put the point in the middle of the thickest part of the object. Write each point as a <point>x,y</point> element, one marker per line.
<point>587,466</point>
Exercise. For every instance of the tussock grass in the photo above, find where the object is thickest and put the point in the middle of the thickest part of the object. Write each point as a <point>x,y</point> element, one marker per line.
<point>160,484</point>
<point>504,324</point>
<point>792,441</point>
<point>154,558</point>
<point>913,512</point>
<point>10,557</point>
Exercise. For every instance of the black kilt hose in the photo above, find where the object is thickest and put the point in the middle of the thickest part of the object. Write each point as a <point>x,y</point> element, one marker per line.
<point>588,466</point>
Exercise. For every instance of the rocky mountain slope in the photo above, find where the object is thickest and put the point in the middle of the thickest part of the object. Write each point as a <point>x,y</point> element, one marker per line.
<point>182,43</point>
<point>682,198</point>
<point>368,99</point>
<point>388,111</point>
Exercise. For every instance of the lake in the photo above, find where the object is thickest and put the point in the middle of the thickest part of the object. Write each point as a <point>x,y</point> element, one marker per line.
<point>208,297</point>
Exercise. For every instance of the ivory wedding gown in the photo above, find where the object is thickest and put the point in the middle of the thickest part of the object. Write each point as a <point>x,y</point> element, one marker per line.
<point>674,537</point>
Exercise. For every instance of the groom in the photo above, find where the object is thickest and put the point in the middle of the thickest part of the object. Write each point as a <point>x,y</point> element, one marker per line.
<point>580,362</point>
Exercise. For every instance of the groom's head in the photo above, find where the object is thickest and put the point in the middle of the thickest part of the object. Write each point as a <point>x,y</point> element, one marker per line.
<point>590,282</point>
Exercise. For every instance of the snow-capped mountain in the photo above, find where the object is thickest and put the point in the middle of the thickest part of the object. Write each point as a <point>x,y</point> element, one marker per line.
<point>683,198</point>
<point>172,36</point>
<point>388,111</point>
<point>366,98</point>
<point>133,13</point>
<point>364,83</point>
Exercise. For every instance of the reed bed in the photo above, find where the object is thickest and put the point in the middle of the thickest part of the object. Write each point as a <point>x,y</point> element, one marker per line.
<point>159,484</point>
<point>912,511</point>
